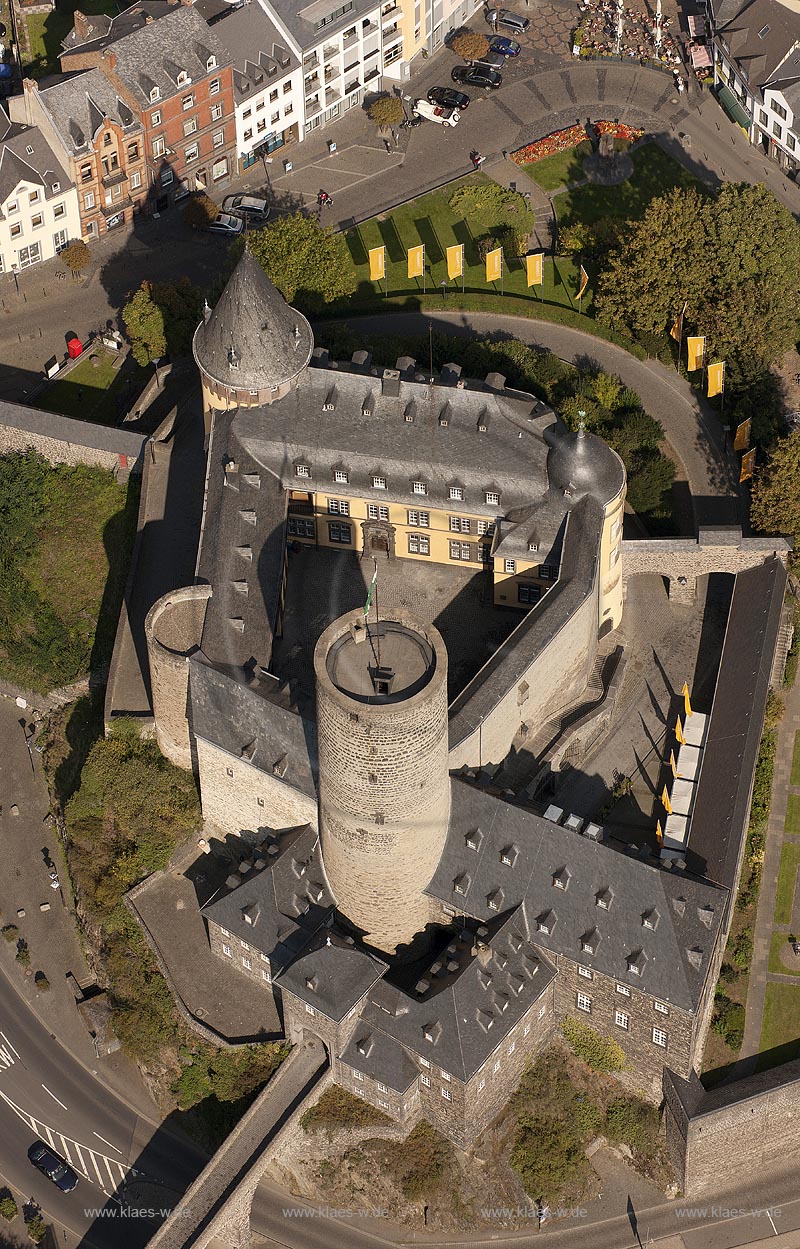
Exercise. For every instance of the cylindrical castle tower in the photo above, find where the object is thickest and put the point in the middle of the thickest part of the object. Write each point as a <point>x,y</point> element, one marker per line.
<point>384,785</point>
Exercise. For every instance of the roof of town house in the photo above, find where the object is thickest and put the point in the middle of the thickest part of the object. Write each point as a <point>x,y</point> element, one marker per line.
<point>302,20</point>
<point>253,339</point>
<point>260,53</point>
<point>95,31</point>
<point>331,974</point>
<point>5,122</point>
<point>656,934</point>
<point>155,57</point>
<point>78,107</point>
<point>26,156</point>
<point>758,36</point>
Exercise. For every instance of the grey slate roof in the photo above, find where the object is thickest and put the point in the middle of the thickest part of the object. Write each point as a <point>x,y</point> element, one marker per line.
<point>40,165</point>
<point>259,52</point>
<point>253,339</point>
<point>722,803</point>
<point>380,1057</point>
<point>331,974</point>
<point>104,30</point>
<point>581,463</point>
<point>77,106</point>
<point>468,878</point>
<point>471,1003</point>
<point>65,429</point>
<point>759,35</point>
<point>248,723</point>
<point>154,55</point>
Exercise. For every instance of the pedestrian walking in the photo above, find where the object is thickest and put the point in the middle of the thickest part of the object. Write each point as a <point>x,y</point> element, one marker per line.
<point>477,159</point>
<point>323,199</point>
<point>396,137</point>
<point>387,145</point>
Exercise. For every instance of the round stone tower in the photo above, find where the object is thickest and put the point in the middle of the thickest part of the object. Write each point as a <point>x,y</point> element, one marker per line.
<point>384,785</point>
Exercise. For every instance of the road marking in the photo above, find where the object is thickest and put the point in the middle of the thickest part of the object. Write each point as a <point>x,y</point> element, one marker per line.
<point>114,1183</point>
<point>65,1148</point>
<point>49,1135</point>
<point>10,1046</point>
<point>6,1060</point>
<point>105,1142</point>
<point>55,1099</point>
<point>97,1170</point>
<point>81,1162</point>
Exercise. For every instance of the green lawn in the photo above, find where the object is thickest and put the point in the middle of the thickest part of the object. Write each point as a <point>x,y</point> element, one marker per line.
<point>555,171</point>
<point>779,943</point>
<point>431,221</point>
<point>654,173</point>
<point>47,32</point>
<point>787,876</point>
<point>794,779</point>
<point>792,822</point>
<point>780,1030</point>
<point>98,393</point>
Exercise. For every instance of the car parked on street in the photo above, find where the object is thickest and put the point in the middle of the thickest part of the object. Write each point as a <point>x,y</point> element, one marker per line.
<point>508,19</point>
<point>247,206</point>
<point>477,76</point>
<point>53,1166</point>
<point>226,223</point>
<point>503,46</point>
<point>448,97</point>
<point>435,112</point>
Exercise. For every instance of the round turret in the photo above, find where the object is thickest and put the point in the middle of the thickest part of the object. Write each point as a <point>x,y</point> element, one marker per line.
<point>384,786</point>
<point>582,463</point>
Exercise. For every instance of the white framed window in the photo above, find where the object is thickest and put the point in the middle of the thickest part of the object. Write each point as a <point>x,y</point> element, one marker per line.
<point>485,527</point>
<point>216,112</point>
<point>13,207</point>
<point>382,1088</point>
<point>492,498</point>
<point>219,169</point>
<point>378,483</point>
<point>510,565</point>
<point>512,1047</point>
<point>167,177</point>
<point>218,138</point>
<point>357,1075</point>
<point>377,512</point>
<point>189,126</point>
<point>339,531</point>
<point>136,180</point>
<point>34,197</point>
<point>426,1081</point>
<point>421,519</point>
<point>661,1008</point>
<point>37,222</point>
<point>425,1063</point>
<point>383,1105</point>
<point>419,544</point>
<point>526,1029</point>
<point>88,199</point>
<point>445,1075</point>
<point>310,1010</point>
<point>59,240</point>
<point>341,476</point>
<point>191,152</point>
<point>496,1068</point>
<point>583,1002</point>
<point>264,958</point>
<point>226,950</point>
<point>187,102</point>
<point>159,146</point>
<point>586,973</point>
<point>155,118</point>
<point>623,990</point>
<point>59,210</point>
<point>213,87</point>
<point>621,1019</point>
<point>340,507</point>
<point>459,524</point>
<point>542,1010</point>
<point>266,976</point>
<point>481,1086</point>
<point>419,487</point>
<point>446,1094</point>
<point>456,492</point>
<point>302,470</point>
<point>244,945</point>
<point>660,1037</point>
<point>247,963</point>
<point>248,134</point>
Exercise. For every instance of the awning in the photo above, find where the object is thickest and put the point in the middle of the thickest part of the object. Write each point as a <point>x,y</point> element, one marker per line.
<point>736,111</point>
<point>697,26</point>
<point>701,56</point>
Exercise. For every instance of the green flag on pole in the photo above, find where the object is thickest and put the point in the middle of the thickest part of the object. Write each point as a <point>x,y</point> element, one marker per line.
<point>371,591</point>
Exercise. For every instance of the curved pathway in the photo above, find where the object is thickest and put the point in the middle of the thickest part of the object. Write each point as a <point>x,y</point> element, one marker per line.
<point>692,432</point>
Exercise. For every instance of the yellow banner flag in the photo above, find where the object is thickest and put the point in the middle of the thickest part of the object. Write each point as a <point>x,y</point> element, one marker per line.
<point>687,706</point>
<point>584,282</point>
<point>659,833</point>
<point>716,378</point>
<point>741,441</point>
<point>673,764</point>
<point>494,265</point>
<point>665,800</point>
<point>679,731</point>
<point>748,464</point>
<point>696,348</point>
<point>455,260</point>
<point>377,263</point>
<point>534,267</point>
<point>416,261</point>
<point>677,330</point>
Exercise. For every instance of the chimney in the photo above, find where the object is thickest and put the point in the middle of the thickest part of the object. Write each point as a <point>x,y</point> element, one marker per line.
<point>110,58</point>
<point>484,953</point>
<point>82,27</point>
<point>148,21</point>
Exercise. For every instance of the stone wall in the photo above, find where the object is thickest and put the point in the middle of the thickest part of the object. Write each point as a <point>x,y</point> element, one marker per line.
<point>173,629</point>
<point>239,798</point>
<point>683,560</point>
<point>62,440</point>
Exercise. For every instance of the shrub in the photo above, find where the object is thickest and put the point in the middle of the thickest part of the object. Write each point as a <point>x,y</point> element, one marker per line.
<point>8,1206</point>
<point>607,390</point>
<point>742,949</point>
<point>548,1157</point>
<point>598,1052</point>
<point>10,932</point>
<point>199,212</point>
<point>514,241</point>
<point>337,1109</point>
<point>587,1115</point>
<point>422,1161</point>
<point>386,110</point>
<point>632,1122</point>
<point>36,1229</point>
<point>728,1021</point>
<point>76,256</point>
<point>485,197</point>
<point>23,953</point>
<point>470,45</point>
<point>41,982</point>
<point>728,974</point>
<point>487,244</point>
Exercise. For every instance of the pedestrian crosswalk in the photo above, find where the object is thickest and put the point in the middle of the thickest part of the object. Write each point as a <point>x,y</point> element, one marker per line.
<point>109,1174</point>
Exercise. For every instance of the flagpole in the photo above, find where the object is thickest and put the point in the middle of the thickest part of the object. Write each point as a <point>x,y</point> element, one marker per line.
<point>424,288</point>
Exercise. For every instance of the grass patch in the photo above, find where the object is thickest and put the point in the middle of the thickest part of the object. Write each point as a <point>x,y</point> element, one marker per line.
<point>561,168</point>
<point>99,393</point>
<point>338,1110</point>
<point>780,1030</point>
<point>794,779</point>
<point>787,878</point>
<point>47,32</point>
<point>654,174</point>
<point>66,535</point>
<point>780,942</point>
<point>792,822</point>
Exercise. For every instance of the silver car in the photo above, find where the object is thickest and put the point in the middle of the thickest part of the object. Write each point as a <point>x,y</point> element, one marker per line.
<point>508,20</point>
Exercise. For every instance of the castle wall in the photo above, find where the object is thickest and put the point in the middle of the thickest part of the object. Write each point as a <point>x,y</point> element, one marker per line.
<point>173,628</point>
<point>238,798</point>
<point>62,440</point>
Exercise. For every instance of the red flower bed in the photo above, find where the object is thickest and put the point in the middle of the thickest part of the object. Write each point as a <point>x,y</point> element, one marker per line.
<point>563,140</point>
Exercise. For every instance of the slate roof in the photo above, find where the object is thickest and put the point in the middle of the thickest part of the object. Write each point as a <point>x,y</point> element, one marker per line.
<point>253,339</point>
<point>259,52</point>
<point>104,30</point>
<point>471,1002</point>
<point>759,35</point>
<point>155,55</point>
<point>677,951</point>
<point>581,463</point>
<point>299,18</point>
<point>722,802</point>
<point>331,973</point>
<point>65,429</point>
<point>40,165</point>
<point>77,107</point>
<point>380,1057</point>
<point>248,723</point>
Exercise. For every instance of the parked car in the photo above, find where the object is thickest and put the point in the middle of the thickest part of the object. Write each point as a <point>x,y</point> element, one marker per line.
<point>53,1166</point>
<point>247,206</point>
<point>491,60</point>
<point>448,97</point>
<point>477,76</point>
<point>435,112</point>
<point>508,19</point>
<point>226,223</point>
<point>504,46</point>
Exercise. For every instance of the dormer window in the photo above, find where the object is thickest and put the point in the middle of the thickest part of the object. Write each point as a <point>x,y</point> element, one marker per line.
<point>154,94</point>
<point>233,358</point>
<point>211,63</point>
<point>432,1032</point>
<point>508,855</point>
<point>561,879</point>
<point>457,493</point>
<point>302,470</point>
<point>55,187</point>
<point>341,476</point>
<point>533,546</point>
<point>311,982</point>
<point>378,483</point>
<point>474,839</point>
<point>492,497</point>
<point>603,899</point>
<point>650,919</point>
<point>636,962</point>
<point>461,883</point>
<point>589,941</point>
<point>483,422</point>
<point>546,923</point>
<point>494,900</point>
<point>419,487</point>
<point>183,78</point>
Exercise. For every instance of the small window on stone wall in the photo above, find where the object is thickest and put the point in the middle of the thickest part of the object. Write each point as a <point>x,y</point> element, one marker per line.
<point>523,693</point>
<point>229,771</point>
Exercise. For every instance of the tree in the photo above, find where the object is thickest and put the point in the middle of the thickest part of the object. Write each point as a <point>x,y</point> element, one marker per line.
<point>76,256</point>
<point>775,502</point>
<point>386,110</point>
<point>470,45</point>
<point>162,317</point>
<point>309,264</point>
<point>199,212</point>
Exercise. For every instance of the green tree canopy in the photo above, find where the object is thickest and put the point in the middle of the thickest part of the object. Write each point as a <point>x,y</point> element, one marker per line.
<point>734,259</point>
<point>309,264</point>
<point>386,110</point>
<point>775,503</point>
<point>162,317</point>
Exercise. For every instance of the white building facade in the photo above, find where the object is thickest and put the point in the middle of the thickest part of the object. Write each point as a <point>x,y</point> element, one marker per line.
<point>38,204</point>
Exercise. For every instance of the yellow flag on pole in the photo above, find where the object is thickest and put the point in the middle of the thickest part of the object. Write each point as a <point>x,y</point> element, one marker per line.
<point>494,265</point>
<point>377,263</point>
<point>686,702</point>
<point>659,833</point>
<point>716,378</point>
<point>673,764</point>
<point>748,464</point>
<point>584,282</point>
<point>534,266</point>
<point>677,329</point>
<point>696,348</point>
<point>455,260</point>
<point>665,800</point>
<point>416,261</point>
<point>741,440</point>
<point>679,731</point>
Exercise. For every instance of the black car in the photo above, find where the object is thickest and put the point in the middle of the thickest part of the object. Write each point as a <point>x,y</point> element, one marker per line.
<point>447,97</point>
<point>53,1166</point>
<point>477,76</point>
